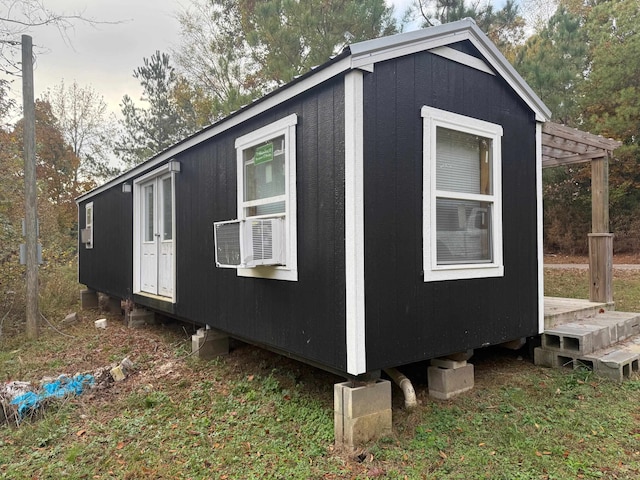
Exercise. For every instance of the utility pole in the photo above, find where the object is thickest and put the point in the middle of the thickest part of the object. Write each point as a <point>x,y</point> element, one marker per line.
<point>30,192</point>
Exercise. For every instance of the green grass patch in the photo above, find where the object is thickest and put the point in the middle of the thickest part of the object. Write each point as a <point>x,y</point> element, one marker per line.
<point>574,283</point>
<point>254,415</point>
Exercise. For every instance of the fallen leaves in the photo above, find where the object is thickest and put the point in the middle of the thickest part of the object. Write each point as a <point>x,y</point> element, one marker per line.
<point>544,453</point>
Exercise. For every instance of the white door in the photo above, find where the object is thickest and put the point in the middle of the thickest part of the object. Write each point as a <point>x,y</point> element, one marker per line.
<point>156,239</point>
<point>165,217</point>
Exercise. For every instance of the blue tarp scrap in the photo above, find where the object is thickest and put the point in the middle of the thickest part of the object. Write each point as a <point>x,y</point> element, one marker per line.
<point>60,388</point>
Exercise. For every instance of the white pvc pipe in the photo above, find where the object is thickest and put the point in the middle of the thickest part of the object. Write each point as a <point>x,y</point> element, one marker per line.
<point>405,385</point>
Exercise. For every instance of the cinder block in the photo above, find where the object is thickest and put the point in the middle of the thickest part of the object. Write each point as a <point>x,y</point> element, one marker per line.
<point>460,356</point>
<point>88,299</point>
<point>445,383</point>
<point>570,338</point>
<point>602,338</point>
<point>113,306</point>
<point>209,344</point>
<point>448,363</point>
<point>362,413</point>
<point>140,317</point>
<point>618,365</point>
<point>70,319</point>
<point>543,357</point>
<point>360,430</point>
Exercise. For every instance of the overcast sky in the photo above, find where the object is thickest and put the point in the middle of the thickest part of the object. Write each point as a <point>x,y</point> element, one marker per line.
<point>104,56</point>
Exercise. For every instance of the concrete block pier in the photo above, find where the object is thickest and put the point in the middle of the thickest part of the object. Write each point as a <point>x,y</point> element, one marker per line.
<point>361,412</point>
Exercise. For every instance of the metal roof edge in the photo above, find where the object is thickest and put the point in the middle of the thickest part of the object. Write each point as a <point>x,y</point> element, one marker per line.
<point>368,47</point>
<point>509,73</point>
<point>450,33</point>
<point>340,63</point>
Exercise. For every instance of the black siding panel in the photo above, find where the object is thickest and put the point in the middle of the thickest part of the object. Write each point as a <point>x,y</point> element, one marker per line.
<point>108,266</point>
<point>304,318</point>
<point>407,319</point>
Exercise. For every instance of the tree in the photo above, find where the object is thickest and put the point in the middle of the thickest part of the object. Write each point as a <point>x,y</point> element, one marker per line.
<point>610,101</point>
<point>584,64</point>
<point>213,54</point>
<point>6,102</point>
<point>84,121</point>
<point>505,27</point>
<point>288,38</point>
<point>57,188</point>
<point>18,17</point>
<point>553,63</point>
<point>168,118</point>
<point>240,50</point>
<point>538,12</point>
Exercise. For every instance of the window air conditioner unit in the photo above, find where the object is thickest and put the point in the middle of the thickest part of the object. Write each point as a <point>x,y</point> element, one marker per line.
<point>249,243</point>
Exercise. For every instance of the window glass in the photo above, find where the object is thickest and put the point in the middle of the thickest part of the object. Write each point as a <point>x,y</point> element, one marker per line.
<point>148,214</point>
<point>462,205</point>
<point>267,190</point>
<point>264,177</point>
<point>167,209</point>
<point>87,234</point>
<point>89,218</point>
<point>463,162</point>
<point>463,231</point>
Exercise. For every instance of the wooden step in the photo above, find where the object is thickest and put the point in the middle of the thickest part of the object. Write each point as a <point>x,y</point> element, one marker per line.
<point>558,311</point>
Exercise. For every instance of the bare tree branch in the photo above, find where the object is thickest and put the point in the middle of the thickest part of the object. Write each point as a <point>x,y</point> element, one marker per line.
<point>21,16</point>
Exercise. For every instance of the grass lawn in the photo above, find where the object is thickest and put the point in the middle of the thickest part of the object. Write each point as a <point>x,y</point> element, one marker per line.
<point>254,414</point>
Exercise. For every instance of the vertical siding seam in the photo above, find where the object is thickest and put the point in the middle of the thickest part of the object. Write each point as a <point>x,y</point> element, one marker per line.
<point>539,223</point>
<point>354,223</point>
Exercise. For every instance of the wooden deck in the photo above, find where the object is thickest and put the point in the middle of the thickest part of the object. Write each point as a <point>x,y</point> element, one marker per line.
<point>562,310</point>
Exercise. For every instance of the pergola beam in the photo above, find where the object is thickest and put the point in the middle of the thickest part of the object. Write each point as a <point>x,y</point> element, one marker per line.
<point>556,132</point>
<point>563,145</point>
<point>556,159</point>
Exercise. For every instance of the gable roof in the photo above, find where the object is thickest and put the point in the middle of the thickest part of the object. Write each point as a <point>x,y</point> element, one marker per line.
<point>372,51</point>
<point>364,56</point>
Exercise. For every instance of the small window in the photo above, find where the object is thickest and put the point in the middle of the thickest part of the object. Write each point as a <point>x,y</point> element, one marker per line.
<point>267,188</point>
<point>462,204</point>
<point>87,234</point>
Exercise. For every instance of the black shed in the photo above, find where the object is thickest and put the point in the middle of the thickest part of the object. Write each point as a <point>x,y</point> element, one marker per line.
<point>383,209</point>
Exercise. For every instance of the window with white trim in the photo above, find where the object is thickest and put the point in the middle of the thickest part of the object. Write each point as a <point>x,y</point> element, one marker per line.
<point>267,188</point>
<point>87,235</point>
<point>462,211</point>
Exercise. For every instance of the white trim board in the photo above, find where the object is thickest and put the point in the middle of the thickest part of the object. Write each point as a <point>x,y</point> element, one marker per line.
<point>432,119</point>
<point>540,227</point>
<point>354,223</point>
<point>285,126</point>
<point>462,58</point>
<point>137,233</point>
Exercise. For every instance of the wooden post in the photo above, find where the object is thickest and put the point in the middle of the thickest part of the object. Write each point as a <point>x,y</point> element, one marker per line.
<point>600,195</point>
<point>30,192</point>
<point>600,240</point>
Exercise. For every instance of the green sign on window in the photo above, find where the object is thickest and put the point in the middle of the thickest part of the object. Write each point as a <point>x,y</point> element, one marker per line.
<point>264,154</point>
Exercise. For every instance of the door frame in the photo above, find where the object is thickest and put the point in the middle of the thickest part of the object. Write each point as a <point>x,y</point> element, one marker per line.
<point>138,185</point>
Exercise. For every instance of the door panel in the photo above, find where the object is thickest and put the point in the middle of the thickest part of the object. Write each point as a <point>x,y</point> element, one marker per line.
<point>156,239</point>
<point>165,262</point>
<point>149,248</point>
